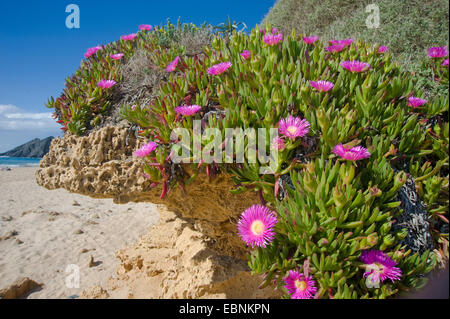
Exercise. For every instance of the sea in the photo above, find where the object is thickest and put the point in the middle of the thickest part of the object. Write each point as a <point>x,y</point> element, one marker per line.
<point>6,161</point>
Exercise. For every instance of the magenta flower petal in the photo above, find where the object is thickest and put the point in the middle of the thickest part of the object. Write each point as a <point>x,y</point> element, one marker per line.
<point>255,226</point>
<point>219,68</point>
<point>383,49</point>
<point>311,39</point>
<point>146,149</point>
<point>92,51</point>
<point>445,63</point>
<point>271,39</point>
<point>379,266</point>
<point>145,27</point>
<point>173,65</point>
<point>335,48</point>
<point>278,143</point>
<point>351,154</point>
<point>106,84</point>
<point>323,86</point>
<point>188,110</point>
<point>129,37</point>
<point>245,54</point>
<point>299,286</point>
<point>116,56</point>
<point>416,102</point>
<point>355,66</point>
<point>293,127</point>
<point>438,52</point>
<point>345,42</point>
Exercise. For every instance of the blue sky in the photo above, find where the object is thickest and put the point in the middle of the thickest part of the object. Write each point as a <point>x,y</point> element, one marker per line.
<point>38,51</point>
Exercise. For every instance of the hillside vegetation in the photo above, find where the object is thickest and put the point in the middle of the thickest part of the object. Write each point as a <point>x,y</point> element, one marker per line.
<point>408,28</point>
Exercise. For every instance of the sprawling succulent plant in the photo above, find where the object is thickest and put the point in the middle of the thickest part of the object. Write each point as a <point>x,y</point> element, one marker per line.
<point>332,207</point>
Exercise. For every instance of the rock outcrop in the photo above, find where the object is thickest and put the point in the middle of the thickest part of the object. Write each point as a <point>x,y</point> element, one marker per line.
<point>21,288</point>
<point>34,148</point>
<point>197,242</point>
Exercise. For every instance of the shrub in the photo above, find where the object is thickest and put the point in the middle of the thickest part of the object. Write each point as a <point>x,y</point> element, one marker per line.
<point>346,155</point>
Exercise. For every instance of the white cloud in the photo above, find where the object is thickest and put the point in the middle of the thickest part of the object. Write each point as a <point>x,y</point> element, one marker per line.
<point>12,118</point>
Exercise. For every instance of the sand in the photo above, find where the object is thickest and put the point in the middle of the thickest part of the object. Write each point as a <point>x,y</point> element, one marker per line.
<point>45,233</point>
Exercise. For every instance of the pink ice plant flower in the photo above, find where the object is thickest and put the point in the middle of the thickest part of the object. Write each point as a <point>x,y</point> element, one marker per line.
<point>255,226</point>
<point>445,63</point>
<point>379,266</point>
<point>300,286</point>
<point>146,149</point>
<point>92,51</point>
<point>219,68</point>
<point>323,86</point>
<point>188,110</point>
<point>351,154</point>
<point>116,56</point>
<point>438,52</point>
<point>355,66</point>
<point>311,39</point>
<point>278,143</point>
<point>273,39</point>
<point>416,102</point>
<point>129,37</point>
<point>245,54</point>
<point>383,49</point>
<point>335,48</point>
<point>173,65</point>
<point>293,127</point>
<point>106,84</point>
<point>345,42</point>
<point>145,27</point>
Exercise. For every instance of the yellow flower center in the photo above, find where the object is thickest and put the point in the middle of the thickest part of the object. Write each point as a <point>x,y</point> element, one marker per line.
<point>292,129</point>
<point>257,227</point>
<point>301,285</point>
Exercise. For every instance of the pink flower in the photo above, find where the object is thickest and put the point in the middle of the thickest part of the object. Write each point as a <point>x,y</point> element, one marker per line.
<point>416,102</point>
<point>351,154</point>
<point>445,63</point>
<point>255,226</point>
<point>323,86</point>
<point>335,48</point>
<point>293,127</point>
<point>173,65</point>
<point>438,52</point>
<point>383,49</point>
<point>133,107</point>
<point>219,68</point>
<point>379,266</point>
<point>91,51</point>
<point>145,27</point>
<point>355,66</point>
<point>299,286</point>
<point>345,42</point>
<point>106,84</point>
<point>116,56</point>
<point>146,149</point>
<point>278,144</point>
<point>245,54</point>
<point>310,40</point>
<point>128,37</point>
<point>271,39</point>
<point>188,110</point>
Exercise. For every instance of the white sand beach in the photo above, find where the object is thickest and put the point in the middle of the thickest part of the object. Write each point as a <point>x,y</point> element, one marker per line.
<point>43,231</point>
